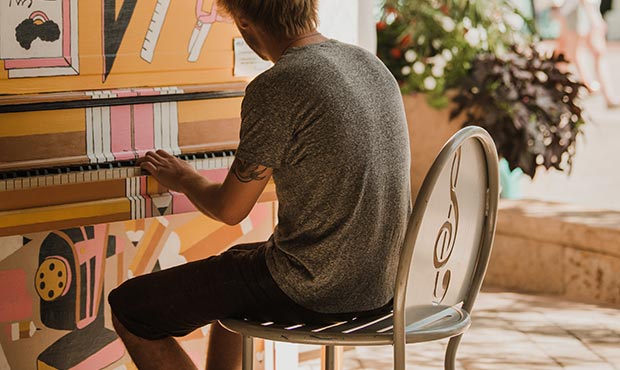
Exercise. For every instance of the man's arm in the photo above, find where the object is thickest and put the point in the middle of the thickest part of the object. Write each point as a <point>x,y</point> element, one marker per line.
<point>229,202</point>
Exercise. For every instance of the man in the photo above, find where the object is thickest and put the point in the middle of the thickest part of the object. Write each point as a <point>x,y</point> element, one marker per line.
<point>327,123</point>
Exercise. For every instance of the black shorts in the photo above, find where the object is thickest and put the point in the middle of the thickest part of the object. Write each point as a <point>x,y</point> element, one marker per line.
<point>234,284</point>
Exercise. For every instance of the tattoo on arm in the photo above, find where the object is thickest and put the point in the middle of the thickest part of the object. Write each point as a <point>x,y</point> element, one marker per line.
<point>246,172</point>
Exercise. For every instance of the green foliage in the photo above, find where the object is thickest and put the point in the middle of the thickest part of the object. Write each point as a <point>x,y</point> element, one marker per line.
<point>481,49</point>
<point>528,106</point>
<point>429,44</point>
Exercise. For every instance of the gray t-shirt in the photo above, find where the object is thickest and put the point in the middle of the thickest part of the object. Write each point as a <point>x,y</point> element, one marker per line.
<point>329,119</point>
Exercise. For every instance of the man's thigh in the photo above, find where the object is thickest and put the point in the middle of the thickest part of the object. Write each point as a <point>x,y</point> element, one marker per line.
<point>178,300</point>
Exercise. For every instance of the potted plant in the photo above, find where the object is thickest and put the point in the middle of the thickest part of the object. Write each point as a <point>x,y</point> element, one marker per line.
<point>474,59</point>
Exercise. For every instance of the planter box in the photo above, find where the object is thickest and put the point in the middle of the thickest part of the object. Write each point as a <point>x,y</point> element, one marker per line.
<point>429,129</point>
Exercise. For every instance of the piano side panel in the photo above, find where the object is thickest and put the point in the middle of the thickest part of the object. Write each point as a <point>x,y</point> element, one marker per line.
<point>42,331</point>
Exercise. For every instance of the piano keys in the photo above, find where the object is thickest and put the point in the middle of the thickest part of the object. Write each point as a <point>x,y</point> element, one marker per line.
<point>34,200</point>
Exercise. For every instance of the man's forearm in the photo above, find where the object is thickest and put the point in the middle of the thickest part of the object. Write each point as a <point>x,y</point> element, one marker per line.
<point>204,194</point>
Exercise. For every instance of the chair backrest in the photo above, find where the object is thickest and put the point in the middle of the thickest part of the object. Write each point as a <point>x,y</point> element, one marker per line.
<point>450,233</point>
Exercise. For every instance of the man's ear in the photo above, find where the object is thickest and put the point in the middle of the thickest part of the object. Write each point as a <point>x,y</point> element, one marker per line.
<point>242,22</point>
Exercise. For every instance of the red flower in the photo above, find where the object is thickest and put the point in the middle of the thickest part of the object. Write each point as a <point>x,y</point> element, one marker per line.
<point>444,9</point>
<point>381,26</point>
<point>396,53</point>
<point>405,41</point>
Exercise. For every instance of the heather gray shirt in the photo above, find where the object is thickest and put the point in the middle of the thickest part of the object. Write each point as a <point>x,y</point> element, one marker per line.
<point>328,118</point>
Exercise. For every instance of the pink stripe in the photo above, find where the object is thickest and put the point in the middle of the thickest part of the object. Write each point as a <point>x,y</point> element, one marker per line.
<point>124,93</point>
<point>218,174</point>
<point>143,128</point>
<point>181,204</point>
<point>16,303</point>
<point>259,214</point>
<point>35,62</point>
<point>147,92</point>
<point>39,13</point>
<point>120,125</point>
<point>89,295</point>
<point>104,357</point>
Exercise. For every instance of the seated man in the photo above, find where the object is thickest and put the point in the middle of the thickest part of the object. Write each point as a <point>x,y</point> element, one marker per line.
<point>327,122</point>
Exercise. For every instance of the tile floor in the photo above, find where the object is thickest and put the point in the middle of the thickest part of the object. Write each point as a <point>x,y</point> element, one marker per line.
<point>512,331</point>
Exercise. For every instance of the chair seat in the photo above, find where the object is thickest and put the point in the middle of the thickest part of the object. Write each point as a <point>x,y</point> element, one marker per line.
<point>444,322</point>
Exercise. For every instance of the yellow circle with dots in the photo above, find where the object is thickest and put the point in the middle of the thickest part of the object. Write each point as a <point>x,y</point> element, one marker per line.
<point>51,279</point>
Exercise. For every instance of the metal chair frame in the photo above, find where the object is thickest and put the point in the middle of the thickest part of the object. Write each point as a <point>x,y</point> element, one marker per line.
<point>441,321</point>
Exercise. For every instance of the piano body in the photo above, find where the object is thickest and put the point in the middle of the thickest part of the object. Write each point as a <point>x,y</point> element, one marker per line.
<point>84,91</point>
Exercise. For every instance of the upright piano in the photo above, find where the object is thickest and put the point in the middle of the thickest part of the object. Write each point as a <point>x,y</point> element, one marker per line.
<point>84,91</point>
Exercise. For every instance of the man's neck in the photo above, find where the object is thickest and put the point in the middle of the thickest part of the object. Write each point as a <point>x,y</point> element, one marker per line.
<point>308,38</point>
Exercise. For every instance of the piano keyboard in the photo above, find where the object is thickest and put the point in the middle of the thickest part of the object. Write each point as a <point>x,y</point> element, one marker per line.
<point>36,178</point>
<point>56,198</point>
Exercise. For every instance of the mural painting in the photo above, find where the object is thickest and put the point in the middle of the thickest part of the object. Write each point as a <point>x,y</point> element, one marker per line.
<point>54,284</point>
<point>39,38</point>
<point>75,219</point>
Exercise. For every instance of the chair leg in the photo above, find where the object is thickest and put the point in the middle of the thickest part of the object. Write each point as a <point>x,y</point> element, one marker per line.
<point>247,359</point>
<point>332,358</point>
<point>400,356</point>
<point>453,345</point>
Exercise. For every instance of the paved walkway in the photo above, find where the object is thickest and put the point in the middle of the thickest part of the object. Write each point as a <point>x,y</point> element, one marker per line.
<point>513,331</point>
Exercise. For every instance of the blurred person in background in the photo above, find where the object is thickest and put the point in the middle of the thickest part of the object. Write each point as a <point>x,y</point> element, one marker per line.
<point>582,26</point>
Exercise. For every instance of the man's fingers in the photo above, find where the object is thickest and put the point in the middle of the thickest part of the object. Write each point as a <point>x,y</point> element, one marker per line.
<point>149,167</point>
<point>164,153</point>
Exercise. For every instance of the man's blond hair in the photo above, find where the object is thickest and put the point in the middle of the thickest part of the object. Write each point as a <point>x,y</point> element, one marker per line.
<point>283,18</point>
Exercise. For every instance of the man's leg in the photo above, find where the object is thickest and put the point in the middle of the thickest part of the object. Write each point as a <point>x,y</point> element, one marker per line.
<point>159,354</point>
<point>224,352</point>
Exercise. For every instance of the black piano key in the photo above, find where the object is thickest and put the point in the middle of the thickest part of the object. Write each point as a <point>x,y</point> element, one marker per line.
<point>59,170</point>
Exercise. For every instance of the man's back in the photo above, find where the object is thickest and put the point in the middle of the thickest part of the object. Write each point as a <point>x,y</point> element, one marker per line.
<point>328,118</point>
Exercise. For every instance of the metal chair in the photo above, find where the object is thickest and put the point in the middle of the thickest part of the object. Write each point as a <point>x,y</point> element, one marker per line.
<point>442,263</point>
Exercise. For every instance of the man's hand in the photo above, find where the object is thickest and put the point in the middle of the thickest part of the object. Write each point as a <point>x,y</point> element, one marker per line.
<point>168,170</point>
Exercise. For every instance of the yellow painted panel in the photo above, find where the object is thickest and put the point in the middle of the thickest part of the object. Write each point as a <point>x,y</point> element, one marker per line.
<point>169,66</point>
<point>63,212</point>
<point>192,111</point>
<point>42,122</point>
<point>196,230</point>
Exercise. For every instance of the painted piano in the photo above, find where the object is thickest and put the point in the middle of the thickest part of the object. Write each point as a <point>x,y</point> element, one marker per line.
<point>84,91</point>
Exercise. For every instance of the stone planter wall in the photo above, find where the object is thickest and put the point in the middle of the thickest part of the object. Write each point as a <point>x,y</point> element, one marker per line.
<point>557,249</point>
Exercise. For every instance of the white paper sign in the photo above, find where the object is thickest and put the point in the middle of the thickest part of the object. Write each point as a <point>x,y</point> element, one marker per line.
<point>247,62</point>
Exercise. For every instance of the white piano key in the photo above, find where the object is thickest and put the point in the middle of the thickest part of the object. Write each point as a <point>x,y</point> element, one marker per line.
<point>3,185</point>
<point>17,184</point>
<point>157,129</point>
<point>106,133</point>
<point>49,180</point>
<point>98,135</point>
<point>165,127</point>
<point>174,128</point>
<point>90,135</point>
